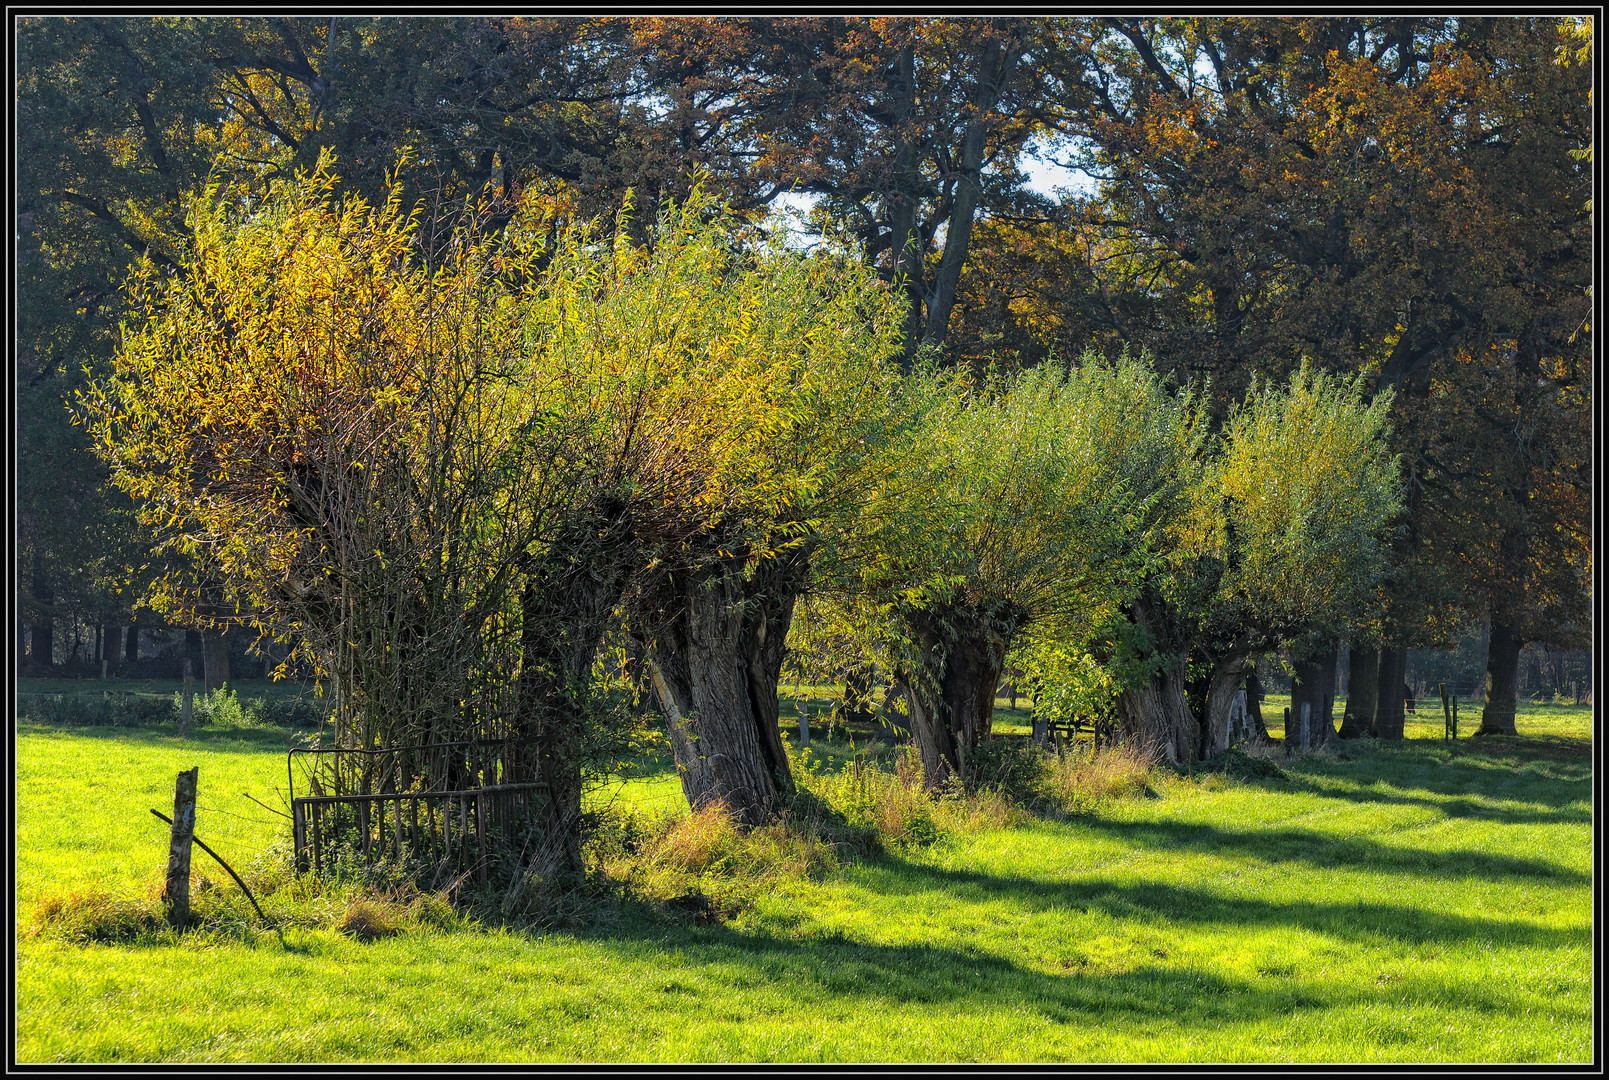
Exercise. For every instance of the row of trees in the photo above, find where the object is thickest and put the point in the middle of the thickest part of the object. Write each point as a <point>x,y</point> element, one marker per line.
<point>451,463</point>
<point>1400,198</point>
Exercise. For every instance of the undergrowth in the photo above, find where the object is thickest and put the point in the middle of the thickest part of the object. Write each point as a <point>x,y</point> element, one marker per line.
<point>699,864</point>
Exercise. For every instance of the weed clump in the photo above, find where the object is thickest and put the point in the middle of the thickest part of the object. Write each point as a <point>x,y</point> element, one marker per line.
<point>101,917</point>
<point>370,919</point>
<point>1236,762</point>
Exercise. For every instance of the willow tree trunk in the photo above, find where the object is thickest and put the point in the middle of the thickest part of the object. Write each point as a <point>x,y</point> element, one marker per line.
<point>1388,714</point>
<point>1362,690</point>
<point>715,662</point>
<point>1156,716</point>
<point>951,696</point>
<point>1502,677</point>
<point>1227,677</point>
<point>566,608</point>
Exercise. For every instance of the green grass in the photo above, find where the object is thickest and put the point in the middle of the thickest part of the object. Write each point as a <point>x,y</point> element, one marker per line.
<point>1412,902</point>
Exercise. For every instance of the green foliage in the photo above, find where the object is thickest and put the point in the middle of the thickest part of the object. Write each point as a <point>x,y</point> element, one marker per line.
<point>1310,491</point>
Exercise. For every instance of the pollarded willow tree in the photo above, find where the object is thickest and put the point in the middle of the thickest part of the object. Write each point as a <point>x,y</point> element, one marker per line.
<point>337,429</point>
<point>1010,512</point>
<point>752,395</point>
<point>1279,534</point>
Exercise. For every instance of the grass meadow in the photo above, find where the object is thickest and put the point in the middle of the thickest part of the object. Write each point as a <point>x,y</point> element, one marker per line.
<point>1412,902</point>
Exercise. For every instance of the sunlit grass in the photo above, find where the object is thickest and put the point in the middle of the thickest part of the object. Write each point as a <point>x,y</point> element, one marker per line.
<point>1422,901</point>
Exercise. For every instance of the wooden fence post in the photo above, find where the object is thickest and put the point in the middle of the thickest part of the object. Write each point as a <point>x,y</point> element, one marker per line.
<point>1446,712</point>
<point>183,831</point>
<point>188,704</point>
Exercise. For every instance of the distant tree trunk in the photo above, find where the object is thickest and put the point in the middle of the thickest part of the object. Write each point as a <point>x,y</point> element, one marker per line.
<point>716,662</point>
<point>856,706</point>
<point>1314,686</point>
<point>131,642</point>
<point>1254,705</point>
<point>214,661</point>
<point>1502,674</point>
<point>1362,691</point>
<point>192,649</point>
<point>1388,706</point>
<point>1227,677</point>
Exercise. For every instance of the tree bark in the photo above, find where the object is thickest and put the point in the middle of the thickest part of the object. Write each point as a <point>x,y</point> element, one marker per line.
<point>1314,686</point>
<point>1156,716</point>
<point>1502,675</point>
<point>952,695</point>
<point>214,661</point>
<point>1227,676</point>
<point>131,643</point>
<point>1362,690</point>
<point>715,662</point>
<point>1388,712</point>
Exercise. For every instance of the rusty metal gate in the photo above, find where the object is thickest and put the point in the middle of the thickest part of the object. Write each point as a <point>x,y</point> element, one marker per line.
<point>441,805</point>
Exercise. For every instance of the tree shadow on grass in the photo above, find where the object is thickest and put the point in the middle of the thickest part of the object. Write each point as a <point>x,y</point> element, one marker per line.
<point>827,971</point>
<point>1459,783</point>
<point>1329,851</point>
<point>1158,902</point>
<point>261,737</point>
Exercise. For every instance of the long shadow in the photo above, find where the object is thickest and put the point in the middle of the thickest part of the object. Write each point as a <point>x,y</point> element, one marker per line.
<point>1328,851</point>
<point>1359,922</point>
<point>1456,803</point>
<point>1556,792</point>
<point>830,970</point>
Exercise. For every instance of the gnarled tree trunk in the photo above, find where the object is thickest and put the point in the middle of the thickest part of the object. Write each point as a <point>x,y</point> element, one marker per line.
<point>952,696</point>
<point>1157,718</point>
<point>1362,690</point>
<point>715,662</point>
<point>1502,675</point>
<point>1227,676</point>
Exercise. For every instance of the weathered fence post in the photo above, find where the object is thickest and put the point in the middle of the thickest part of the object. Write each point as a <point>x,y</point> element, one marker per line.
<point>187,706</point>
<point>1575,691</point>
<point>1455,718</point>
<point>1446,712</point>
<point>184,826</point>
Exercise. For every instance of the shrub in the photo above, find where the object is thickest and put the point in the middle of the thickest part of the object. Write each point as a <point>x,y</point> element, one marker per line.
<point>1014,770</point>
<point>1236,762</point>
<point>881,808</point>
